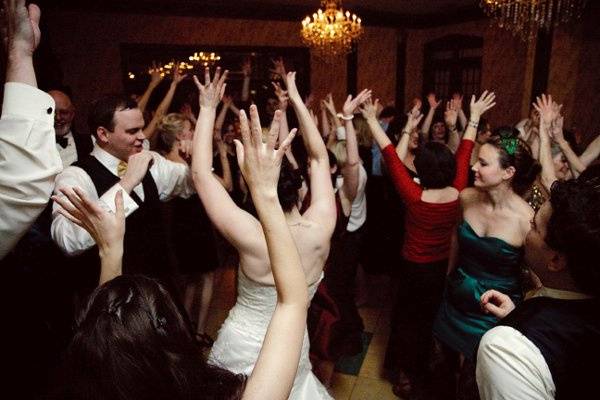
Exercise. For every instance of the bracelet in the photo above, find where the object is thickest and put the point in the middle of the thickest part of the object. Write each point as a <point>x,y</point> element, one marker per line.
<point>345,118</point>
<point>473,124</point>
<point>452,128</point>
<point>405,132</point>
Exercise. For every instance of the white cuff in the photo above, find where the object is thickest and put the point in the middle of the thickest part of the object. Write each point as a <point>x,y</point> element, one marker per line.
<point>340,133</point>
<point>107,200</point>
<point>27,101</point>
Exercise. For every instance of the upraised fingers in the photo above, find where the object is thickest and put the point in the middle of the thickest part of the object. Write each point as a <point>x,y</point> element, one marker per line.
<point>274,131</point>
<point>286,143</point>
<point>245,129</point>
<point>197,82</point>
<point>255,128</point>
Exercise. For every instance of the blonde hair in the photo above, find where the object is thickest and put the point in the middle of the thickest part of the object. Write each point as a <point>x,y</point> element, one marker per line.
<point>167,129</point>
<point>363,133</point>
<point>340,153</point>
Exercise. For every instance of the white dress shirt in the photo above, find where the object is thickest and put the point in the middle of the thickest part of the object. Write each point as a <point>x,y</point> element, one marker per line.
<point>511,367</point>
<point>28,160</point>
<point>172,179</point>
<point>68,154</point>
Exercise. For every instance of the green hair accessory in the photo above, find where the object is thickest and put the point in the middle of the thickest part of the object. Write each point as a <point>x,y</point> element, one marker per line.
<point>509,143</point>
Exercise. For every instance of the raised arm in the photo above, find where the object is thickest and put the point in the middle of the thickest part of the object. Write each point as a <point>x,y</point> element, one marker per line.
<point>591,153</point>
<point>412,122</point>
<point>457,100</point>
<point>433,105</point>
<point>164,105</point>
<point>575,164</point>
<point>322,209</point>
<point>105,227</point>
<point>277,363</point>
<point>29,160</point>
<point>227,178</point>
<point>402,181</point>
<point>547,115</point>
<point>450,118</point>
<point>155,79</point>
<point>227,101</point>
<point>284,129</point>
<point>236,225</point>
<point>463,154</point>
<point>350,170</point>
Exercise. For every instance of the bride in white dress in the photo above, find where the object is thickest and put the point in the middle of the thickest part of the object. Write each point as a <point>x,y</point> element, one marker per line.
<point>241,336</point>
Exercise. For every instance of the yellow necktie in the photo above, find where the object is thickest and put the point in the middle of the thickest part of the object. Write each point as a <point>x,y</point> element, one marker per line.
<point>121,168</point>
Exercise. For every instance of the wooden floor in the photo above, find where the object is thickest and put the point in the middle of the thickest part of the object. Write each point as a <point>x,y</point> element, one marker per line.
<point>366,381</point>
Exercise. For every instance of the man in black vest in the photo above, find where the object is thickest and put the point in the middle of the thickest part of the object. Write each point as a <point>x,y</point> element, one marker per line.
<point>548,347</point>
<point>119,162</point>
<point>71,146</point>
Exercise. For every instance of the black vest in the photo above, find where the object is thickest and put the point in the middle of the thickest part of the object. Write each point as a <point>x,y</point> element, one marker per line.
<point>83,145</point>
<point>144,245</point>
<point>567,333</point>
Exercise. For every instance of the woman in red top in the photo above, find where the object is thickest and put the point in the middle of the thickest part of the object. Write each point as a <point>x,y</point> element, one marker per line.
<point>432,210</point>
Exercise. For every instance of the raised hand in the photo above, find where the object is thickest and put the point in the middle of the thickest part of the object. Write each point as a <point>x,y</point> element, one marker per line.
<point>177,75</point>
<point>350,105</point>
<point>329,104</point>
<point>369,109</point>
<point>282,96</point>
<point>414,118</point>
<point>106,228</point>
<point>260,162</point>
<point>432,100</point>
<point>557,133</point>
<point>21,27</point>
<point>496,303</point>
<point>457,101</point>
<point>547,109</point>
<point>211,92</point>
<point>485,102</point>
<point>292,89</point>
<point>155,75</point>
<point>451,115</point>
<point>278,67</point>
<point>416,103</point>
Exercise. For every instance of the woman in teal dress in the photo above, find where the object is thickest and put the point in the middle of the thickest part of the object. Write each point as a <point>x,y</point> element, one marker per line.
<point>487,247</point>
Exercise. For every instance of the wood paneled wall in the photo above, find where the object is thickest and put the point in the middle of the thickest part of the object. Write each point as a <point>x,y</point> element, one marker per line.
<point>87,48</point>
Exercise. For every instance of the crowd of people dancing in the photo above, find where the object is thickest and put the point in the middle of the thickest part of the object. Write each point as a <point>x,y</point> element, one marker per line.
<point>109,240</point>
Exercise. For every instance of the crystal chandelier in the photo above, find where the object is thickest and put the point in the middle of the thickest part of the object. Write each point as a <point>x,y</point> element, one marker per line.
<point>525,17</point>
<point>205,59</point>
<point>332,32</point>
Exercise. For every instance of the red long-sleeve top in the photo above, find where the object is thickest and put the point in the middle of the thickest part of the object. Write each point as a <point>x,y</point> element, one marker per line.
<point>428,226</point>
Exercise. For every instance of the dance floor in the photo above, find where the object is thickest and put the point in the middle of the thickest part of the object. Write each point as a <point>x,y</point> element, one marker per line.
<point>356,378</point>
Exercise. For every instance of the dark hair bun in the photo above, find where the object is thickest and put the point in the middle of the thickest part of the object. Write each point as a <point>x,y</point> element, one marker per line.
<point>290,181</point>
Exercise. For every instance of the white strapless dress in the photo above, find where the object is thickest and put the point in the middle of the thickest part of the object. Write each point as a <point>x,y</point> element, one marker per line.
<point>241,336</point>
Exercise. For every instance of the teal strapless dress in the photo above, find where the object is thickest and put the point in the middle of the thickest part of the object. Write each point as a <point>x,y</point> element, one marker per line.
<point>484,263</point>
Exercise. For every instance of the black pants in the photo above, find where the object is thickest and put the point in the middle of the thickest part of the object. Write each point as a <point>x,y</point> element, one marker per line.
<point>420,290</point>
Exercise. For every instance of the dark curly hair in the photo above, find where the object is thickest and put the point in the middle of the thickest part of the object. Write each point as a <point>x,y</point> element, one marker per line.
<point>526,167</point>
<point>132,343</point>
<point>435,165</point>
<point>574,227</point>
